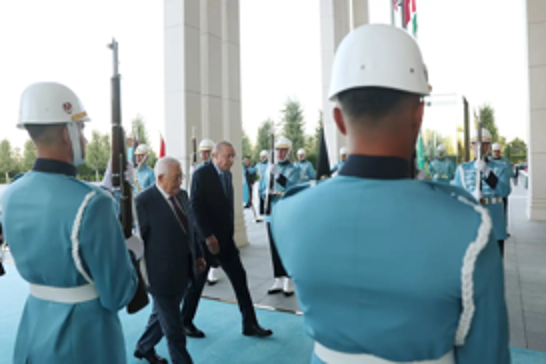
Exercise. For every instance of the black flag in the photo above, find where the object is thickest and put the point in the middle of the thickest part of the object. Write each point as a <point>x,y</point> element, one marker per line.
<point>323,164</point>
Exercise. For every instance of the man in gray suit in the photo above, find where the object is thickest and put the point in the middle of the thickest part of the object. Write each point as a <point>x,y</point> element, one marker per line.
<point>172,257</point>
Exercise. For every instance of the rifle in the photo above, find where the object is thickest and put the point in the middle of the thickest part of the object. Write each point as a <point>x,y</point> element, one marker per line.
<point>271,182</point>
<point>119,166</point>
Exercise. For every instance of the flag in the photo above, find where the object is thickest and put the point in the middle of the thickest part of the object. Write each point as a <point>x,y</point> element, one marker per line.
<point>410,15</point>
<point>161,147</point>
<point>395,5</point>
<point>323,163</point>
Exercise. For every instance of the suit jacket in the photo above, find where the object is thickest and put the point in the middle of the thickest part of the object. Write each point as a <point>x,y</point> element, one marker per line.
<point>170,251</point>
<point>213,211</point>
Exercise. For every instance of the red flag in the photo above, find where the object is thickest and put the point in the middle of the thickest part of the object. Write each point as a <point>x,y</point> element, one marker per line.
<point>407,11</point>
<point>162,147</point>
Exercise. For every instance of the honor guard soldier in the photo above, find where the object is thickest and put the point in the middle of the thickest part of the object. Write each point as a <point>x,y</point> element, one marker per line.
<point>66,241</point>
<point>490,188</point>
<point>343,156</point>
<point>286,175</point>
<point>442,169</point>
<point>144,175</point>
<point>249,175</point>
<point>374,285</point>
<point>205,148</point>
<point>509,170</point>
<point>306,168</point>
<point>261,170</point>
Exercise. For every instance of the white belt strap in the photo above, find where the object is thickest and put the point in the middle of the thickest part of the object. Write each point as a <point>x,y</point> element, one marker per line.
<point>68,295</point>
<point>335,357</point>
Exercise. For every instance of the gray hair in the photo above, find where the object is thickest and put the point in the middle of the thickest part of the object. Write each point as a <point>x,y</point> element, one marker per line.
<point>219,145</point>
<point>162,166</point>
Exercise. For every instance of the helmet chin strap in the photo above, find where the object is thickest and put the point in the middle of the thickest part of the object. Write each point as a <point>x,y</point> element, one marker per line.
<point>77,153</point>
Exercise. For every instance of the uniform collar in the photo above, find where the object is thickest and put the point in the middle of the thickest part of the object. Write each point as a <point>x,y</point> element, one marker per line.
<point>284,163</point>
<point>363,166</point>
<point>54,166</point>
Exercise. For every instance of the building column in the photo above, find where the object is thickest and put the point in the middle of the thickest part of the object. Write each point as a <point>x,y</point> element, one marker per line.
<point>536,33</point>
<point>338,17</point>
<point>182,77</point>
<point>202,83</point>
<point>231,101</point>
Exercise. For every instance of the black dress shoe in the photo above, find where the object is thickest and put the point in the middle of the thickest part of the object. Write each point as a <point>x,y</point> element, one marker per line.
<point>151,357</point>
<point>192,331</point>
<point>257,330</point>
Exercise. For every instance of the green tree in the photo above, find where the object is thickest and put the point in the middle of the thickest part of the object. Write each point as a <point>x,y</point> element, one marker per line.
<point>263,141</point>
<point>487,117</point>
<point>98,152</point>
<point>293,124</point>
<point>247,146</point>
<point>516,150</point>
<point>139,129</point>
<point>8,162</point>
<point>29,156</point>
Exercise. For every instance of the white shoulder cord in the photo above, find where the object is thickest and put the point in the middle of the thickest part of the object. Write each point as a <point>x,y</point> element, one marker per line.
<point>75,240</point>
<point>467,272</point>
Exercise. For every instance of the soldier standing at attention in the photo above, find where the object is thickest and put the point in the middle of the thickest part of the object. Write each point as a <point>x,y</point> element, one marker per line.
<point>493,185</point>
<point>306,168</point>
<point>144,175</point>
<point>343,158</point>
<point>66,241</point>
<point>261,170</point>
<point>509,171</point>
<point>442,169</point>
<point>286,175</point>
<point>372,286</point>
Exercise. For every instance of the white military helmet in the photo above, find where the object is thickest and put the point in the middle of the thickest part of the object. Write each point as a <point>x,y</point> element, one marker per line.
<point>142,149</point>
<point>343,151</point>
<point>301,151</point>
<point>283,143</point>
<point>496,147</point>
<point>264,153</point>
<point>486,136</point>
<point>379,55</point>
<point>441,148</point>
<point>49,103</point>
<point>206,144</point>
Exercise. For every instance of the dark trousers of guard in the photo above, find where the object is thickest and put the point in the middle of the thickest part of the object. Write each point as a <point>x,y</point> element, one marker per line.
<point>262,205</point>
<point>233,267</point>
<point>278,267</point>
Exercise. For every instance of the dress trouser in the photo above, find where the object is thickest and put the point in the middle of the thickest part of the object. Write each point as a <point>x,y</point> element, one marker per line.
<point>505,201</point>
<point>501,247</point>
<point>233,267</point>
<point>278,267</point>
<point>262,205</point>
<point>165,320</point>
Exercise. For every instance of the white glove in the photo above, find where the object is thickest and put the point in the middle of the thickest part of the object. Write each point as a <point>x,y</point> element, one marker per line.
<point>136,245</point>
<point>107,179</point>
<point>477,195</point>
<point>481,166</point>
<point>272,169</point>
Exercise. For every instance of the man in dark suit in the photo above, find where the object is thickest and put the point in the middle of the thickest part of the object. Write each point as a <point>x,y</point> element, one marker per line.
<point>172,259</point>
<point>212,204</point>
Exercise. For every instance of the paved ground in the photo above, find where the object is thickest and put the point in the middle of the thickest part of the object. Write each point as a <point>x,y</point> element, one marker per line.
<point>525,269</point>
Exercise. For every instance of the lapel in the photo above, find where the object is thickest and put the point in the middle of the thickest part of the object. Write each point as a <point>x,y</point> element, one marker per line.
<point>218,182</point>
<point>169,210</point>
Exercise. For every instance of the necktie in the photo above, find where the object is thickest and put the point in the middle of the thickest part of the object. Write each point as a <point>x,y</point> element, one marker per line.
<point>179,213</point>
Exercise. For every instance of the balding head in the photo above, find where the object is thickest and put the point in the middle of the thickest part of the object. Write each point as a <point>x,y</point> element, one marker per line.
<point>168,174</point>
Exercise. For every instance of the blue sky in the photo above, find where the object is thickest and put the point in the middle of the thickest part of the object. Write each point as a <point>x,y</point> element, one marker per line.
<point>473,47</point>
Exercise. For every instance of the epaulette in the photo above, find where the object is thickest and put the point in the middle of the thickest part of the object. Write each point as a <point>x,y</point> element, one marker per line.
<point>452,190</point>
<point>291,191</point>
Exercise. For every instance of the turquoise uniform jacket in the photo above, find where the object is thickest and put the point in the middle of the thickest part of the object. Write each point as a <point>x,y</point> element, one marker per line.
<point>509,170</point>
<point>289,177</point>
<point>337,167</point>
<point>372,277</point>
<point>46,239</point>
<point>496,186</point>
<point>261,170</point>
<point>145,178</point>
<point>307,171</point>
<point>442,170</point>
